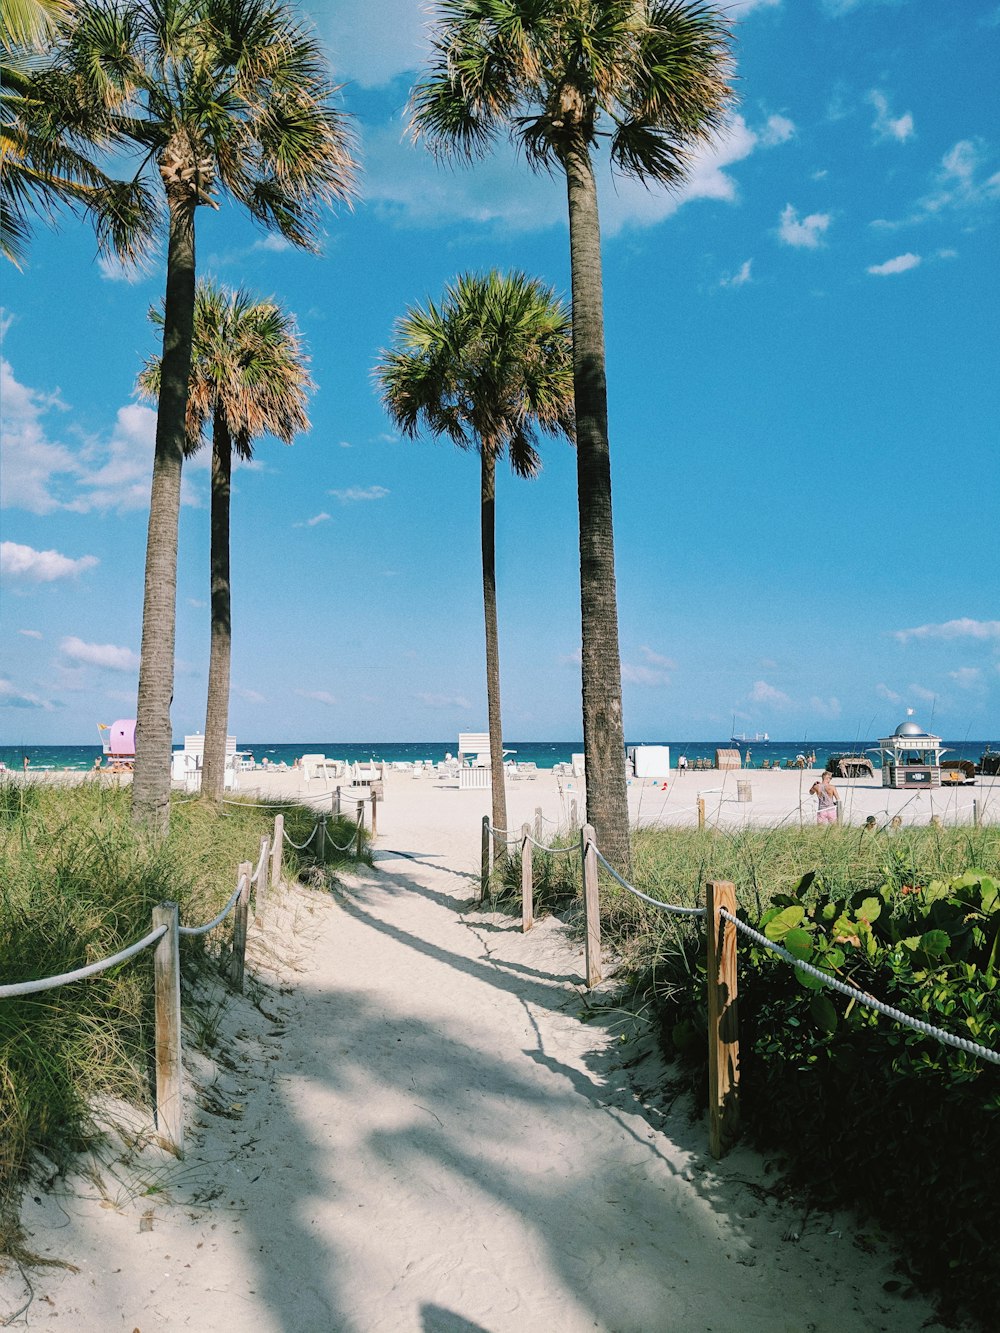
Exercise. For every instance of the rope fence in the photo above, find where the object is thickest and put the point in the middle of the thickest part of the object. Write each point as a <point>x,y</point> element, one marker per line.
<point>722,928</point>
<point>165,936</point>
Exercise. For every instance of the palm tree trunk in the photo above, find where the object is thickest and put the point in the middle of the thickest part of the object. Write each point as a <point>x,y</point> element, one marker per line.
<point>603,731</point>
<point>220,651</point>
<point>151,779</point>
<point>488,526</point>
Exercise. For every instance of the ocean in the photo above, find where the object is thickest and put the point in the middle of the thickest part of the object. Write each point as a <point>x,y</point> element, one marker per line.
<point>543,753</point>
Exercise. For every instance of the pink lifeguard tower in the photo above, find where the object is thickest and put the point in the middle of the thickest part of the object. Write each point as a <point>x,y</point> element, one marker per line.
<point>118,742</point>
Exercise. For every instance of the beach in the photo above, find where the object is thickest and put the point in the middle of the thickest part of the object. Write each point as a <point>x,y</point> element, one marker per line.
<point>405,1125</point>
<point>732,798</point>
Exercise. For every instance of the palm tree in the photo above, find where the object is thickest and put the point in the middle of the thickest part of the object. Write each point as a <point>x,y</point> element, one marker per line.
<point>488,368</point>
<point>650,77</point>
<point>211,94</point>
<point>248,378</point>
<point>42,167</point>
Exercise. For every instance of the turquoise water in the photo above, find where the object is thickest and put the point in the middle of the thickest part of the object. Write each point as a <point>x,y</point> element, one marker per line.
<point>543,753</point>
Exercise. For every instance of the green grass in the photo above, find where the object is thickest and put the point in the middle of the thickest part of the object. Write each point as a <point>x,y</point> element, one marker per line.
<point>77,884</point>
<point>674,866</point>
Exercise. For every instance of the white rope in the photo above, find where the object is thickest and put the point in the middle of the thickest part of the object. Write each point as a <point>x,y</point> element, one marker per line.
<point>542,847</point>
<point>869,1001</point>
<point>260,859</point>
<point>216,921</point>
<point>301,846</point>
<point>50,983</point>
<point>655,902</point>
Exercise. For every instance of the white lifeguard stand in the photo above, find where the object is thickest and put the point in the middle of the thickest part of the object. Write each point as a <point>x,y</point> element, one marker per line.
<point>911,757</point>
<point>185,765</point>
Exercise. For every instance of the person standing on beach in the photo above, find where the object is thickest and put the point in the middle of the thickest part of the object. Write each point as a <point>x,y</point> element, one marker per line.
<point>826,793</point>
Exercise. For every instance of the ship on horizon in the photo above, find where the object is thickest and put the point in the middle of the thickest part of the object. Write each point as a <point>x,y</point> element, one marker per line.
<point>758,738</point>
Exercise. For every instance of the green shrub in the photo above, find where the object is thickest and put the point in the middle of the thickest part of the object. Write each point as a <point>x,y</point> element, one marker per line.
<point>865,1112</point>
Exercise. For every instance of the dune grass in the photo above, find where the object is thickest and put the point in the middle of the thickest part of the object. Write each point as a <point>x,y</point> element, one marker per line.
<point>77,884</point>
<point>674,865</point>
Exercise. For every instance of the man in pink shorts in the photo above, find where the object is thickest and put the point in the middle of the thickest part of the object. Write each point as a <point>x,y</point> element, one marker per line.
<point>826,793</point>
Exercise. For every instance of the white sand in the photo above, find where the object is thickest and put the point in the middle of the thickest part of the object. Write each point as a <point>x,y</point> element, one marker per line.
<point>415,1132</point>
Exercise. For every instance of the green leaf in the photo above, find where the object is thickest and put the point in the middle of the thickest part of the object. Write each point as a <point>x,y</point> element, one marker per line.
<point>799,944</point>
<point>823,1013</point>
<point>808,980</point>
<point>935,942</point>
<point>870,909</point>
<point>778,927</point>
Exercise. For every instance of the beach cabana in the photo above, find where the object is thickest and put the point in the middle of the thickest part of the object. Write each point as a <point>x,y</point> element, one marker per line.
<point>911,757</point>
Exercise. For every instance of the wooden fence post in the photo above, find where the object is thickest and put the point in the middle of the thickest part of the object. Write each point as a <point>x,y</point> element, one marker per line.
<point>336,801</point>
<point>260,886</point>
<point>527,881</point>
<point>237,960</point>
<point>361,828</point>
<point>574,817</point>
<point>591,905</point>
<point>374,815</point>
<point>167,1040</point>
<point>701,812</point>
<point>538,823</point>
<point>975,814</point>
<point>723,1031</point>
<point>484,874</point>
<point>277,847</point>
<point>321,839</point>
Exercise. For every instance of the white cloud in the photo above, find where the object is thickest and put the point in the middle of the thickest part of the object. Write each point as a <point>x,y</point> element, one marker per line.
<point>320,696</point>
<point>885,125</point>
<point>967,678</point>
<point>884,692</point>
<point>354,494</point>
<point>404,182</point>
<point>739,278</point>
<point>24,562</point>
<point>922,693</point>
<point>107,655</point>
<point>806,233</point>
<point>656,659</point>
<point>960,185</point>
<point>113,269</point>
<point>777,130</point>
<point>249,696</point>
<point>32,464</point>
<point>31,633</point>
<point>124,465</point>
<point>443,700</point>
<point>390,41</point>
<point>12,697</point>
<point>643,675</point>
<point>317,518</point>
<point>762,693</point>
<point>952,629</point>
<point>828,708</point>
<point>900,264</point>
<point>95,473</point>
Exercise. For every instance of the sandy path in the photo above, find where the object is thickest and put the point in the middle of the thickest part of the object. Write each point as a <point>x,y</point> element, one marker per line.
<point>425,1136</point>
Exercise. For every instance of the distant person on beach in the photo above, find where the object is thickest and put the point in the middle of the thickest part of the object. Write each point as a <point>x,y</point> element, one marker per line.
<point>682,763</point>
<point>826,794</point>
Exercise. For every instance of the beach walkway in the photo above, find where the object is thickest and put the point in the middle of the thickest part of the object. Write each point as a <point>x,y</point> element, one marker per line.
<point>416,1132</point>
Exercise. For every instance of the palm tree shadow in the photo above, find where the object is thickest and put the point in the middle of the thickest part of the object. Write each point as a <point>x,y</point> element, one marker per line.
<point>436,1319</point>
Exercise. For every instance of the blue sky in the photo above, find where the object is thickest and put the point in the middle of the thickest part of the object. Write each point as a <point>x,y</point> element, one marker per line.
<point>802,368</point>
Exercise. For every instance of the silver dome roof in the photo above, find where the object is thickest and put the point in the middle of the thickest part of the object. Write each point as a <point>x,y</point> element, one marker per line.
<point>909,729</point>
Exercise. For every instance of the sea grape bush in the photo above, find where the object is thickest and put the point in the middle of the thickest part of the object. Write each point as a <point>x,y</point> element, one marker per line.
<point>871,1114</point>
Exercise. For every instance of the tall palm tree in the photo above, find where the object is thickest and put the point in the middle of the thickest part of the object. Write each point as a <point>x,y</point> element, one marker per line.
<point>649,77</point>
<point>488,368</point>
<point>248,379</point>
<point>42,167</point>
<point>209,94</point>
